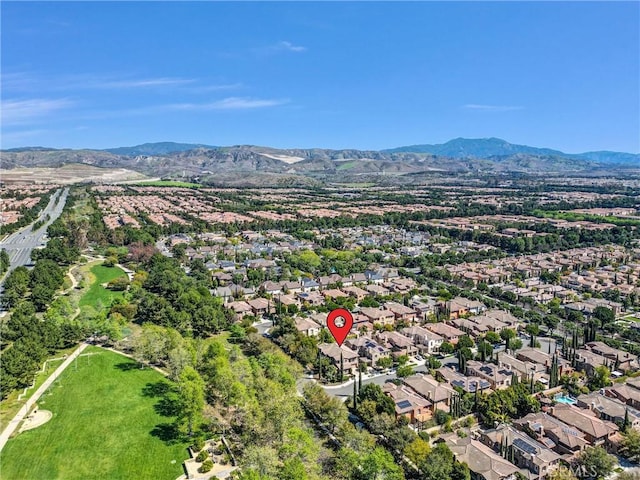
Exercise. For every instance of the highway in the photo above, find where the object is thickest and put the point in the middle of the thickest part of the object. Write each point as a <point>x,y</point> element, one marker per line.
<point>20,244</point>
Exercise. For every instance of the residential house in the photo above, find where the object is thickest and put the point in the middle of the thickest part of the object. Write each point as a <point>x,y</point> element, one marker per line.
<point>499,377</point>
<point>338,355</point>
<point>334,293</point>
<point>426,341</point>
<point>408,404</point>
<point>588,361</point>
<point>328,280</point>
<point>460,306</point>
<point>620,360</point>
<point>552,432</point>
<point>401,312</point>
<point>377,290</point>
<point>378,316</point>
<point>449,333</point>
<point>368,349</point>
<point>466,383</point>
<point>439,394</point>
<point>524,451</point>
<point>626,393</point>
<point>523,368</point>
<point>307,327</point>
<point>309,284</point>
<point>356,292</point>
<point>596,431</point>
<point>610,409</point>
<point>398,343</point>
<point>241,309</point>
<point>484,463</point>
<point>314,299</point>
<point>261,307</point>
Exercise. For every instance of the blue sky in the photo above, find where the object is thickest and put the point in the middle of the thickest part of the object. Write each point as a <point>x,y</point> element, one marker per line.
<point>367,75</point>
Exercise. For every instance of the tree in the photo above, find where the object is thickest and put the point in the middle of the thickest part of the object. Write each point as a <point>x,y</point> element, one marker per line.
<point>384,362</point>
<point>191,396</point>
<point>515,344</point>
<point>464,342</point>
<point>492,337</point>
<point>485,350</point>
<point>378,464</point>
<point>604,314</point>
<point>446,348</point>
<point>596,463</point>
<point>439,463</point>
<point>631,444</point>
<point>507,335</point>
<point>417,451</point>
<point>601,378</point>
<point>404,371</point>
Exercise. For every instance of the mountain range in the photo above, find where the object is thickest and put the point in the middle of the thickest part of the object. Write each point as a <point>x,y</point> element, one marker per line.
<point>461,156</point>
<point>492,147</point>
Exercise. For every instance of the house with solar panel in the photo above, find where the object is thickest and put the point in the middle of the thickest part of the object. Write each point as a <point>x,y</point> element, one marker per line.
<point>483,462</point>
<point>534,458</point>
<point>598,432</point>
<point>499,377</point>
<point>469,384</point>
<point>563,439</point>
<point>408,404</point>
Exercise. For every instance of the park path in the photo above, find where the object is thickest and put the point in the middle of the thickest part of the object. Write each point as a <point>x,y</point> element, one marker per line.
<point>26,408</point>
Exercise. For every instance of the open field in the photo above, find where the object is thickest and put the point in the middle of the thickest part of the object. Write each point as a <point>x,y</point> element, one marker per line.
<point>72,173</point>
<point>11,405</point>
<point>99,275</point>
<point>109,421</point>
<point>168,183</point>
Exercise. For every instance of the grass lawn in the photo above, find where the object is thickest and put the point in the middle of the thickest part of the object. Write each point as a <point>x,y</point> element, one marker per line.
<point>107,422</point>
<point>10,405</point>
<point>99,275</point>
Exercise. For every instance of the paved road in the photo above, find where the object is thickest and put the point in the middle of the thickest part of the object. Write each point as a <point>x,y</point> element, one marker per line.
<point>346,389</point>
<point>24,411</point>
<point>20,244</point>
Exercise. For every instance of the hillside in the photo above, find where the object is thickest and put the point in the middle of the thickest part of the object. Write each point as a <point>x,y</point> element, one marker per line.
<point>496,147</point>
<point>484,156</point>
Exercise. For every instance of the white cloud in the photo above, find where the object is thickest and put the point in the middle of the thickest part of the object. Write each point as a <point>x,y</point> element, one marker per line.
<point>491,108</point>
<point>145,82</point>
<point>20,112</point>
<point>230,103</point>
<point>282,46</point>
<point>288,46</point>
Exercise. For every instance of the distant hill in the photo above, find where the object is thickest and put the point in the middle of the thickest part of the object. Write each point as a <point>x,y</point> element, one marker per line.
<point>496,147</point>
<point>239,162</point>
<point>158,148</point>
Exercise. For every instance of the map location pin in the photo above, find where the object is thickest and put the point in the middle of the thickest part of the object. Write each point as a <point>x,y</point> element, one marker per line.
<point>340,329</point>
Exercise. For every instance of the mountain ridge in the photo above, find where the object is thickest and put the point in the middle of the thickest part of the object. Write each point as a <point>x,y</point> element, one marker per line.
<point>491,147</point>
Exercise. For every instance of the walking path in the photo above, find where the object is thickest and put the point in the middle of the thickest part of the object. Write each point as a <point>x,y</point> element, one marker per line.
<point>26,408</point>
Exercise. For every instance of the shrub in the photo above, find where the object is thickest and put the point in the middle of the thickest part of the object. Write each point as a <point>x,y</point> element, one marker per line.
<point>461,433</point>
<point>198,444</point>
<point>442,417</point>
<point>206,466</point>
<point>202,456</point>
<point>219,450</point>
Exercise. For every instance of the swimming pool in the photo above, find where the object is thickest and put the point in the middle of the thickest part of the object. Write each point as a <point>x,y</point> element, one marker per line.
<point>562,398</point>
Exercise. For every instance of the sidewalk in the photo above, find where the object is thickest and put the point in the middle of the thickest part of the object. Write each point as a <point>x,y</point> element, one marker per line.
<point>26,408</point>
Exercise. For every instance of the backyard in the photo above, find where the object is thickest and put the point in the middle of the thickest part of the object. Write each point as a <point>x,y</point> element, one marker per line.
<point>109,421</point>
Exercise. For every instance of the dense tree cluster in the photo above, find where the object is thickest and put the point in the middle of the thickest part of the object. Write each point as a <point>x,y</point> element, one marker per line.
<point>170,298</point>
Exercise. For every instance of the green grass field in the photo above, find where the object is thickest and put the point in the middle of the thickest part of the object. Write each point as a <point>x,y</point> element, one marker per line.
<point>107,423</point>
<point>11,405</point>
<point>169,183</point>
<point>101,274</point>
